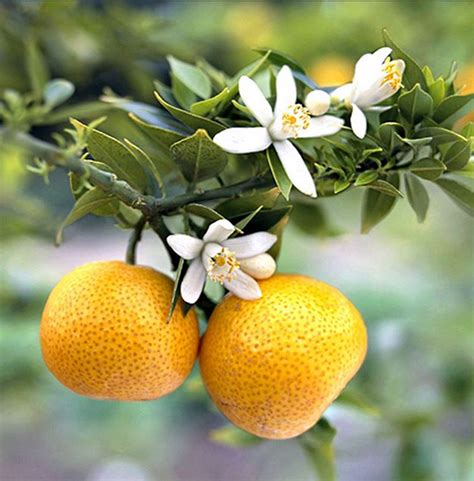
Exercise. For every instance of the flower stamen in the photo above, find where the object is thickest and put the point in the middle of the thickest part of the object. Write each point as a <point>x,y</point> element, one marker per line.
<point>223,266</point>
<point>392,75</point>
<point>295,119</point>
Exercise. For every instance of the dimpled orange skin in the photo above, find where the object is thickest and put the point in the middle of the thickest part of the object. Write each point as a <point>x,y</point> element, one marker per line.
<point>104,333</point>
<point>274,365</point>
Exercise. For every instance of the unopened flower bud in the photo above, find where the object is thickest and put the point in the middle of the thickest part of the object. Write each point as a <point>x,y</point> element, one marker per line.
<point>318,102</point>
<point>261,266</point>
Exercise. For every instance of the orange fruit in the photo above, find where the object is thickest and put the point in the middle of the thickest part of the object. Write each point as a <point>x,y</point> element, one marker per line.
<point>273,365</point>
<point>104,333</point>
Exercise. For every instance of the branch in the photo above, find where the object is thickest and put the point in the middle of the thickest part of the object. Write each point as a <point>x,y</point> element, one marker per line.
<point>135,237</point>
<point>149,205</point>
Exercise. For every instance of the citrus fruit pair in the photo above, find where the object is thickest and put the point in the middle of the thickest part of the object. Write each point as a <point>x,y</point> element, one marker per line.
<point>272,366</point>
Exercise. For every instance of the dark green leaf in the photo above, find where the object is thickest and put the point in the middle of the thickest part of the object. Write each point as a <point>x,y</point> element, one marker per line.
<point>312,220</point>
<point>377,205</point>
<point>279,174</point>
<point>279,58</point>
<point>243,223</point>
<point>417,196</point>
<point>461,194</point>
<point>248,203</point>
<point>191,76</point>
<point>158,134</point>
<point>429,169</point>
<point>390,134</point>
<point>203,211</point>
<point>318,447</point>
<point>198,157</point>
<point>57,92</point>
<point>231,435</point>
<point>413,73</point>
<point>204,107</point>
<point>177,283</point>
<point>457,156</point>
<point>468,171</point>
<point>278,230</point>
<point>439,135</point>
<point>366,177</point>
<point>192,120</point>
<point>385,187</point>
<point>86,204</point>
<point>415,104</point>
<point>113,153</point>
<point>82,111</point>
<point>450,106</point>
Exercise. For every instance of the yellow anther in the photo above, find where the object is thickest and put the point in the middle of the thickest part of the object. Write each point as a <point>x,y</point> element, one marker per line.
<point>222,266</point>
<point>295,119</point>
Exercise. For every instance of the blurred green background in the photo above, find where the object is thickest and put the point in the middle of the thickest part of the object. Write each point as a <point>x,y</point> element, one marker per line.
<point>413,283</point>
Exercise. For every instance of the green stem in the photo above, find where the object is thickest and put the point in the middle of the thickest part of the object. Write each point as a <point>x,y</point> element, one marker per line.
<point>147,204</point>
<point>135,237</point>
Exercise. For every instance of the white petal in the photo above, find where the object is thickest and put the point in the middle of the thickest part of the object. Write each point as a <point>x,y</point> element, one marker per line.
<point>318,102</point>
<point>185,246</point>
<point>244,286</point>
<point>358,122</point>
<point>285,90</point>
<point>255,101</point>
<point>243,140</point>
<point>262,266</point>
<point>295,167</point>
<point>210,250</point>
<point>193,282</point>
<point>218,231</point>
<point>321,126</point>
<point>250,245</point>
<point>381,54</point>
<point>342,93</point>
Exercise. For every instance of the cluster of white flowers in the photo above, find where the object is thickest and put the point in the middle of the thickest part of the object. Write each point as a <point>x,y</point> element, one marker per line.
<point>237,262</point>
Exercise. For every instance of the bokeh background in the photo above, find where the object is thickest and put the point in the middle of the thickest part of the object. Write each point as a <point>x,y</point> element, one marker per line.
<point>413,283</point>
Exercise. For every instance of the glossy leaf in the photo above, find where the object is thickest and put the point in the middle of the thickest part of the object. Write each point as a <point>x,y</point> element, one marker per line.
<point>191,76</point>
<point>439,135</point>
<point>385,187</point>
<point>158,134</point>
<point>415,104</point>
<point>450,106</point>
<point>280,59</point>
<point>417,196</point>
<point>198,157</point>
<point>279,174</point>
<point>248,203</point>
<point>460,193</point>
<point>428,168</point>
<point>366,177</point>
<point>204,107</point>
<point>457,156</point>
<point>203,211</point>
<point>183,95</point>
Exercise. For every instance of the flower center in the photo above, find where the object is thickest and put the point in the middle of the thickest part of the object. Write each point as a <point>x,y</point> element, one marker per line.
<point>295,119</point>
<point>392,75</point>
<point>223,266</point>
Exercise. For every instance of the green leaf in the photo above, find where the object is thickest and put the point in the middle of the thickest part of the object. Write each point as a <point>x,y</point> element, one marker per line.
<point>437,91</point>
<point>279,174</point>
<point>366,177</point>
<point>413,73</point>
<point>198,157</point>
<point>36,68</point>
<point>317,444</point>
<point>429,169</point>
<point>113,153</point>
<point>203,211</point>
<point>390,134</point>
<point>57,92</point>
<point>231,435</point>
<point>147,164</point>
<point>175,295</point>
<point>450,106</point>
<point>417,196</point>
<point>377,205</point>
<point>278,230</point>
<point>279,58</point>
<point>439,135</point>
<point>311,219</point>
<point>218,78</point>
<point>415,104</point>
<point>468,130</point>
<point>86,204</point>
<point>192,120</point>
<point>204,107</point>
<point>158,134</point>
<point>183,95</point>
<point>83,111</point>
<point>385,187</point>
<point>457,156</point>
<point>341,185</point>
<point>468,171</point>
<point>248,203</point>
<point>461,194</point>
<point>191,76</point>
<point>243,223</point>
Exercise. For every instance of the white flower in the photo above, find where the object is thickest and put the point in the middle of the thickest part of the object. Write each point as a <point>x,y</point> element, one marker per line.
<point>231,262</point>
<point>376,78</point>
<point>288,120</point>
